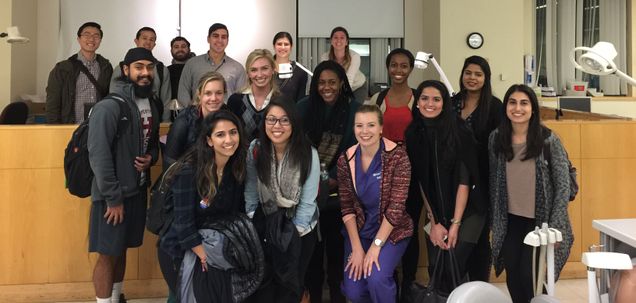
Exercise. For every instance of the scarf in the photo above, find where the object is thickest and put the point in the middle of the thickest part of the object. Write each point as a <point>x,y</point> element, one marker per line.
<point>284,189</point>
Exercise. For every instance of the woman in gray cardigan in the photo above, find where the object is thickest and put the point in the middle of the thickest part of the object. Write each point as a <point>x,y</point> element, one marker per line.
<point>526,190</point>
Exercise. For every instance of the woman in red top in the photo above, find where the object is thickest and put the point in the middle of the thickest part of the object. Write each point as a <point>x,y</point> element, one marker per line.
<point>397,101</point>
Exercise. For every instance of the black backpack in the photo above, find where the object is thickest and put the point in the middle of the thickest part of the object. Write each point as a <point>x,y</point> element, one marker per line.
<point>160,212</point>
<point>574,186</point>
<point>77,168</point>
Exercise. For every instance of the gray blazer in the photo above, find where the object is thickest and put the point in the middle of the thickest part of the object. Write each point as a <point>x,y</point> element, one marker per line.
<point>552,197</point>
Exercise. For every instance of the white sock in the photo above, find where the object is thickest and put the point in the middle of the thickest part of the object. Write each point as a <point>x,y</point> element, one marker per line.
<point>117,287</point>
<point>106,300</point>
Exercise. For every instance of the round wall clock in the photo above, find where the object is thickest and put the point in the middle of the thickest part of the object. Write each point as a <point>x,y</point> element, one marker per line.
<point>475,40</point>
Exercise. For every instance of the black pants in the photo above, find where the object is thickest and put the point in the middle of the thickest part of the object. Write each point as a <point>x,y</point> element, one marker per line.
<point>517,258</point>
<point>332,245</point>
<point>412,253</point>
<point>479,261</point>
<point>169,268</point>
<point>274,292</point>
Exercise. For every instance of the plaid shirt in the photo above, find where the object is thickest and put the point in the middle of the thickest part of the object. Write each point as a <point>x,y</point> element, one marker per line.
<point>85,91</point>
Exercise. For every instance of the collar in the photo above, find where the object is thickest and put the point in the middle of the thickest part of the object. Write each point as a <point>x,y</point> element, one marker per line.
<point>85,60</point>
<point>248,92</point>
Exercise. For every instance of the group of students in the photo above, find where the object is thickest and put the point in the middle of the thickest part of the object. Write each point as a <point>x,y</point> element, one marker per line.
<point>323,175</point>
<point>274,191</point>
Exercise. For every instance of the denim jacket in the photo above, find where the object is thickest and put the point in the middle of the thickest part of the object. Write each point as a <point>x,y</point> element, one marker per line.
<point>306,216</point>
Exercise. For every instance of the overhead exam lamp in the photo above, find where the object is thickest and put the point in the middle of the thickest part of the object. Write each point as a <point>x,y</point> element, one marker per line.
<point>13,35</point>
<point>599,60</point>
<point>421,62</point>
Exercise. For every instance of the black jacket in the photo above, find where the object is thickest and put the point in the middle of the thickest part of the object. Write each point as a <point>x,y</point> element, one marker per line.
<point>60,90</point>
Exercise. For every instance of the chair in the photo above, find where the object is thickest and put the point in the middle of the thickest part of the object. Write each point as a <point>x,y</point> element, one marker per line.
<point>477,292</point>
<point>15,113</point>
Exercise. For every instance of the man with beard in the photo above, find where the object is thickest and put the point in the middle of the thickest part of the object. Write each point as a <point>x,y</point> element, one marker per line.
<point>180,50</point>
<point>146,37</point>
<point>121,160</point>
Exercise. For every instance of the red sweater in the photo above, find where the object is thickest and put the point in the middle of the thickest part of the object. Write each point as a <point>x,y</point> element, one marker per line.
<point>394,188</point>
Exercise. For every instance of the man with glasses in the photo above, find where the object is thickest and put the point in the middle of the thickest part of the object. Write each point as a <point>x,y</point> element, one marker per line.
<point>76,83</point>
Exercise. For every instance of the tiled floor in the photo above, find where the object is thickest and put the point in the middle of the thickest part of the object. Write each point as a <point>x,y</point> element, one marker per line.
<point>567,291</point>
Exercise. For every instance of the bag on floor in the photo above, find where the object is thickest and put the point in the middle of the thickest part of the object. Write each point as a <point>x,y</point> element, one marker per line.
<point>433,293</point>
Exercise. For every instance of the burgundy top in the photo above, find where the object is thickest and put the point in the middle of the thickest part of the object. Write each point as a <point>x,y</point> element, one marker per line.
<point>394,187</point>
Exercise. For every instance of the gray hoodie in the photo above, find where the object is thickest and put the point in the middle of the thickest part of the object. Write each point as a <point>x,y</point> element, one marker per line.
<point>115,175</point>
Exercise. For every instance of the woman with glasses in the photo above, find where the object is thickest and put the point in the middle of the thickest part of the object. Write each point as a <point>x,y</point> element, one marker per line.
<point>283,172</point>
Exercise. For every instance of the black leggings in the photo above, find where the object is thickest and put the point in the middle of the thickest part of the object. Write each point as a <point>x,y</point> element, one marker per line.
<point>169,268</point>
<point>275,292</point>
<point>517,258</point>
<point>332,245</point>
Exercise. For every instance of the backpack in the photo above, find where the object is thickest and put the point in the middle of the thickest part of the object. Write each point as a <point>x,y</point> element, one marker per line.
<point>77,168</point>
<point>160,212</point>
<point>574,186</point>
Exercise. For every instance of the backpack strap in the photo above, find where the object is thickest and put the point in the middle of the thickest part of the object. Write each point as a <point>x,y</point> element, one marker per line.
<point>124,112</point>
<point>160,66</point>
<point>381,97</point>
<point>383,94</point>
<point>103,91</point>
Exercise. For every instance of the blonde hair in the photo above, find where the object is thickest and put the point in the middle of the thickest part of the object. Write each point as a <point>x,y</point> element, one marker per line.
<point>251,58</point>
<point>205,79</point>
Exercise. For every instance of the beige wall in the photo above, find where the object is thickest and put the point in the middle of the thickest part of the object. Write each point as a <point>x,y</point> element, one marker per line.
<point>501,22</point>
<point>48,23</point>
<point>5,54</point>
<point>23,58</point>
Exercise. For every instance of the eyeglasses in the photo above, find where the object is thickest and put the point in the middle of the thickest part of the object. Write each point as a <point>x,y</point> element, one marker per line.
<point>271,120</point>
<point>91,36</point>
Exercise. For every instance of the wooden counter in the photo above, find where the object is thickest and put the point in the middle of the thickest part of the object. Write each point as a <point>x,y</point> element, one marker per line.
<point>44,230</point>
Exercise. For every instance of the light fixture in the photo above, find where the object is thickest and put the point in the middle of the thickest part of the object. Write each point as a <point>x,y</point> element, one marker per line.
<point>599,60</point>
<point>13,35</point>
<point>421,62</point>
<point>285,70</point>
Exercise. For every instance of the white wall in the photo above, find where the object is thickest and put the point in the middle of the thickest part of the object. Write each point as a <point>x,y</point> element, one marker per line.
<point>252,24</point>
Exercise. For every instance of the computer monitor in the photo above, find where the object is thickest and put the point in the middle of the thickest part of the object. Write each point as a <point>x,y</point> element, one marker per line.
<point>581,104</point>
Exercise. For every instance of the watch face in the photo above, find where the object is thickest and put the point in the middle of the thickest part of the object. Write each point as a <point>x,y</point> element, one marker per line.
<point>475,40</point>
<point>377,242</point>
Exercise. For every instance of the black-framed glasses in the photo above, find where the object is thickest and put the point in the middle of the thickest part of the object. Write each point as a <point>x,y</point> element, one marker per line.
<point>91,36</point>
<point>271,120</point>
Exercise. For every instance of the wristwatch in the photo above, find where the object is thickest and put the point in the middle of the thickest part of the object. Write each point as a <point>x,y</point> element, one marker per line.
<point>378,242</point>
<point>456,221</point>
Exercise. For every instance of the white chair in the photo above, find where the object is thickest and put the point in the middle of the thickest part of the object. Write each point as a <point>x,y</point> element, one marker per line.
<point>602,260</point>
<point>477,292</point>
